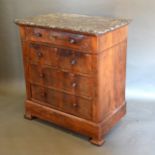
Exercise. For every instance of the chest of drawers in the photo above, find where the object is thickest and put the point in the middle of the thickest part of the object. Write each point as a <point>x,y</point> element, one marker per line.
<point>75,71</point>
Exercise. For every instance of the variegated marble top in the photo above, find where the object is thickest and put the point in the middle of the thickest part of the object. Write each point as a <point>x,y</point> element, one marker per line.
<point>75,22</point>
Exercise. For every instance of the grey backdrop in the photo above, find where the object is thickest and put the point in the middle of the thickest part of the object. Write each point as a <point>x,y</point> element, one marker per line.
<point>141,47</point>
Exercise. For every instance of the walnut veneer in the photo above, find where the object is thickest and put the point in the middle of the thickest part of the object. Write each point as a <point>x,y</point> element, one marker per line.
<point>75,79</point>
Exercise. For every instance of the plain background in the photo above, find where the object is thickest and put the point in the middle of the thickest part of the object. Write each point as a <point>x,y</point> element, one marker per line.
<point>141,45</point>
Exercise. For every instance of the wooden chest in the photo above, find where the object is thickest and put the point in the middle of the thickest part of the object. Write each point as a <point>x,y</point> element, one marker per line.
<point>75,68</point>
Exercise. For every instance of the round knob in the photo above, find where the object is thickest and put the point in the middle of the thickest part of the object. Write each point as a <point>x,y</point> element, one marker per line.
<point>75,105</point>
<point>38,34</point>
<point>53,37</point>
<point>55,49</point>
<point>39,54</point>
<point>41,75</point>
<point>43,94</point>
<point>72,41</point>
<point>73,62</point>
<point>74,84</point>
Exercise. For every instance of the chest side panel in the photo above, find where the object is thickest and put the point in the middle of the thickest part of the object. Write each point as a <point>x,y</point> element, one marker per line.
<point>111,80</point>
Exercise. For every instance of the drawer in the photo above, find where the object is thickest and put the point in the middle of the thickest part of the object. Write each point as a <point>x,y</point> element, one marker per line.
<point>67,103</point>
<point>67,39</point>
<point>45,55</point>
<point>72,83</point>
<point>61,58</point>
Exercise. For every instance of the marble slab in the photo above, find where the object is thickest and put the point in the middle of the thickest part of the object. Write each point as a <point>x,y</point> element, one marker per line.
<point>95,25</point>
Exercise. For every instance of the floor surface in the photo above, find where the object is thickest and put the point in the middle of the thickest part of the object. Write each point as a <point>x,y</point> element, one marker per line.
<point>133,135</point>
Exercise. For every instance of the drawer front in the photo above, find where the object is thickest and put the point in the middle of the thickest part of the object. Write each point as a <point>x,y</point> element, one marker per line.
<point>45,55</point>
<point>72,83</point>
<point>61,58</point>
<point>67,39</point>
<point>67,103</point>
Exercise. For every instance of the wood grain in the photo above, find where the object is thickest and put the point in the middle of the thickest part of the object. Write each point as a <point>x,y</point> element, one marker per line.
<point>65,39</point>
<point>75,80</point>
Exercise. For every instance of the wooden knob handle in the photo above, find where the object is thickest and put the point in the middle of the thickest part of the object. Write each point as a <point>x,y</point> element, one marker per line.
<point>37,34</point>
<point>72,41</point>
<point>41,75</point>
<point>75,104</point>
<point>73,62</point>
<point>43,94</point>
<point>74,84</point>
<point>39,54</point>
<point>53,37</point>
<point>55,49</point>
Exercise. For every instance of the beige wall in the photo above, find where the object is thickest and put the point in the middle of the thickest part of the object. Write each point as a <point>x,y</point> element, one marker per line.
<point>141,48</point>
